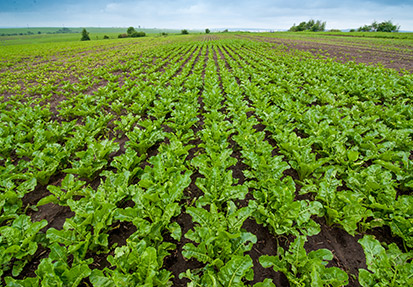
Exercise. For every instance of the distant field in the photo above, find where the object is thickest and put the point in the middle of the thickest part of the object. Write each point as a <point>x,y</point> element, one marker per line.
<point>45,30</point>
<point>368,48</point>
<point>16,36</point>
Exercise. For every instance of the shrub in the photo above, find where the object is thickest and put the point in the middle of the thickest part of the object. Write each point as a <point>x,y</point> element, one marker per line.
<point>123,35</point>
<point>137,34</point>
<point>184,32</point>
<point>207,31</point>
<point>106,37</point>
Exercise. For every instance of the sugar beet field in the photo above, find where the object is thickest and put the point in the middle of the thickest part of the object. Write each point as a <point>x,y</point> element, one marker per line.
<point>206,160</point>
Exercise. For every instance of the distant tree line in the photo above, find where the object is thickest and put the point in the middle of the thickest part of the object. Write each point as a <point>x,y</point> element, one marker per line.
<point>313,26</point>
<point>21,34</point>
<point>64,30</point>
<point>385,26</point>
<point>60,31</point>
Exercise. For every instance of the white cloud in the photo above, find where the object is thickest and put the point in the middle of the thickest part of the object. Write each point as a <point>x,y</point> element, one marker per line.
<point>270,14</point>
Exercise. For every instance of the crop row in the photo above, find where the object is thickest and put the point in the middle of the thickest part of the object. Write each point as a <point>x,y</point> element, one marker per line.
<point>161,137</point>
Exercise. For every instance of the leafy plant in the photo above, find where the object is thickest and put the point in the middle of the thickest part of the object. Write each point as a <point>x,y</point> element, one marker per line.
<point>46,162</point>
<point>55,270</point>
<point>278,209</point>
<point>136,264</point>
<point>129,161</point>
<point>218,185</point>
<point>142,139</point>
<point>93,159</point>
<point>221,244</point>
<point>302,269</point>
<point>340,207</point>
<point>386,267</point>
<point>60,195</point>
<point>231,274</point>
<point>20,241</point>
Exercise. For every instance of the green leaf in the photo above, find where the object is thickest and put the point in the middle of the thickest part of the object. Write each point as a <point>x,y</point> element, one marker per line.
<point>200,215</point>
<point>48,199</point>
<point>234,271</point>
<point>175,229</point>
<point>273,261</point>
<point>98,279</point>
<point>73,276</point>
<point>321,254</point>
<point>27,282</point>
<point>373,250</point>
<point>366,279</point>
<point>236,219</point>
<point>335,277</point>
<point>57,252</point>
<point>18,267</point>
<point>28,185</point>
<point>148,265</point>
<point>243,243</point>
<point>266,283</point>
<point>297,255</point>
<point>60,236</point>
<point>198,252</point>
<point>352,155</point>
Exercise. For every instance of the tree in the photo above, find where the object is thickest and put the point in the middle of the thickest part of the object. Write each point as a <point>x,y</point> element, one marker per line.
<point>184,32</point>
<point>207,31</point>
<point>85,35</point>
<point>365,28</point>
<point>311,25</point>
<point>130,31</point>
<point>385,26</point>
<point>106,37</point>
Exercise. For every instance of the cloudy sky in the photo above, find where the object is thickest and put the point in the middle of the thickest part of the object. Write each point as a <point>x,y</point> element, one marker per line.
<point>199,14</point>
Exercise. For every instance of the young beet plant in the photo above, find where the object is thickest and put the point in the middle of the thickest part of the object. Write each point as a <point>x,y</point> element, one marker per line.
<point>19,240</point>
<point>93,159</point>
<point>302,269</point>
<point>386,267</point>
<point>220,244</point>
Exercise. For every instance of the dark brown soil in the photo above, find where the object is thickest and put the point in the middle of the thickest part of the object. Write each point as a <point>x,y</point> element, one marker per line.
<point>266,245</point>
<point>175,262</point>
<point>348,253</point>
